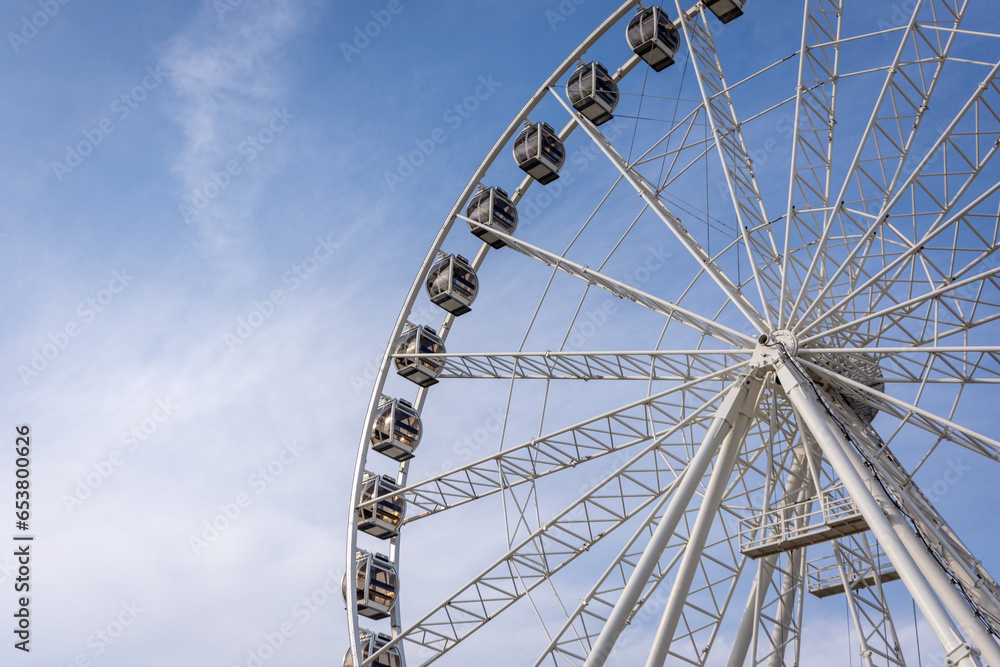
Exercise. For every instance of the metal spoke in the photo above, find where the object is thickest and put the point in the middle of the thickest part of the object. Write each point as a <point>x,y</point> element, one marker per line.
<point>623,291</point>
<point>812,151</point>
<point>685,520</point>
<point>624,493</point>
<point>751,217</point>
<point>650,194</point>
<point>967,146</point>
<point>927,365</point>
<point>655,418</point>
<point>655,365</point>
<point>911,414</point>
<point>887,140</point>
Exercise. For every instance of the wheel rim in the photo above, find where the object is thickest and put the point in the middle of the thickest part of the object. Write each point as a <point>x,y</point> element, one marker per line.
<point>877,280</point>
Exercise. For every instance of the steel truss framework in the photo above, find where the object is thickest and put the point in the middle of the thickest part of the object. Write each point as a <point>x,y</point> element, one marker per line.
<point>822,337</point>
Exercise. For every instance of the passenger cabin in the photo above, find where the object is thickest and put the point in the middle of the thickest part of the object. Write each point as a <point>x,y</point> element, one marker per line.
<point>491,207</point>
<point>371,643</point>
<point>452,284</point>
<point>652,36</point>
<point>863,368</point>
<point>374,584</point>
<point>396,431</point>
<point>593,92</point>
<point>539,152</point>
<point>383,518</point>
<point>726,10</point>
<point>860,367</point>
<point>420,340</point>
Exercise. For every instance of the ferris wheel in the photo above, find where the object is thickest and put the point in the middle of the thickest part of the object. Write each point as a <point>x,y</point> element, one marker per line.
<point>698,396</point>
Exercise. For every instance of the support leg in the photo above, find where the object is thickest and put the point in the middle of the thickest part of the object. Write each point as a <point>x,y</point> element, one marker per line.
<point>703,523</point>
<point>802,393</point>
<point>725,417</point>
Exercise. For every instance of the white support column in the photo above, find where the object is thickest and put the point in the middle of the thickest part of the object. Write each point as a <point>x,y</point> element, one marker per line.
<point>790,582</point>
<point>937,577</point>
<point>857,561</point>
<point>717,484</point>
<point>748,628</point>
<point>802,393</point>
<point>725,417</point>
<point>800,602</point>
<point>793,578</point>
<point>939,531</point>
<point>948,546</point>
<point>746,631</point>
<point>866,654</point>
<point>935,574</point>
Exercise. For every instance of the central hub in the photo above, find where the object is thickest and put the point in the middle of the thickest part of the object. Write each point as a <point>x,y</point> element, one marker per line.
<point>770,346</point>
<point>836,375</point>
<point>783,337</point>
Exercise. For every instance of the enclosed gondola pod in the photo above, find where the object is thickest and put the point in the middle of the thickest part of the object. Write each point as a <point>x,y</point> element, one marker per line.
<point>382,518</point>
<point>420,340</point>
<point>452,284</point>
<point>861,367</point>
<point>493,209</point>
<point>593,92</point>
<point>726,10</point>
<point>865,369</point>
<point>653,37</point>
<point>539,152</point>
<point>396,431</point>
<point>370,643</point>
<point>375,584</point>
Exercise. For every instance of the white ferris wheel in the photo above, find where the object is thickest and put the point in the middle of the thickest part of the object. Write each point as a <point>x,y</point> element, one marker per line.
<point>734,349</point>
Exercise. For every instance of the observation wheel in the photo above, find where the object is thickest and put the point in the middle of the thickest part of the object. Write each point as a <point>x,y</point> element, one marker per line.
<point>700,368</point>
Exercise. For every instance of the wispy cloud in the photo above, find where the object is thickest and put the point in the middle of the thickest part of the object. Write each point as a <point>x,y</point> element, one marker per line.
<point>131,535</point>
<point>229,88</point>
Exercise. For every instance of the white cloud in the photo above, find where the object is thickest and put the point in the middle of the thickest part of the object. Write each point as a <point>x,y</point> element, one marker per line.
<point>227,81</point>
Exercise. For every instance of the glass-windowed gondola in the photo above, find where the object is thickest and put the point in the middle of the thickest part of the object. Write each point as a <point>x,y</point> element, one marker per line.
<point>593,92</point>
<point>652,36</point>
<point>870,374</point>
<point>491,207</point>
<point>372,642</point>
<point>396,431</point>
<point>420,340</point>
<point>726,10</point>
<point>862,368</point>
<point>452,284</point>
<point>382,519</point>
<point>375,584</point>
<point>539,152</point>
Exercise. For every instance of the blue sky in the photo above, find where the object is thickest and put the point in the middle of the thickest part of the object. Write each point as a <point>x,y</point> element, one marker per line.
<point>309,214</point>
<point>209,226</point>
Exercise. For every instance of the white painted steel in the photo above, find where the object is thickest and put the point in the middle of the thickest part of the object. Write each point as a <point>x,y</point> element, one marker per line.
<point>801,392</point>
<point>723,424</point>
<point>739,423</point>
<point>886,251</point>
